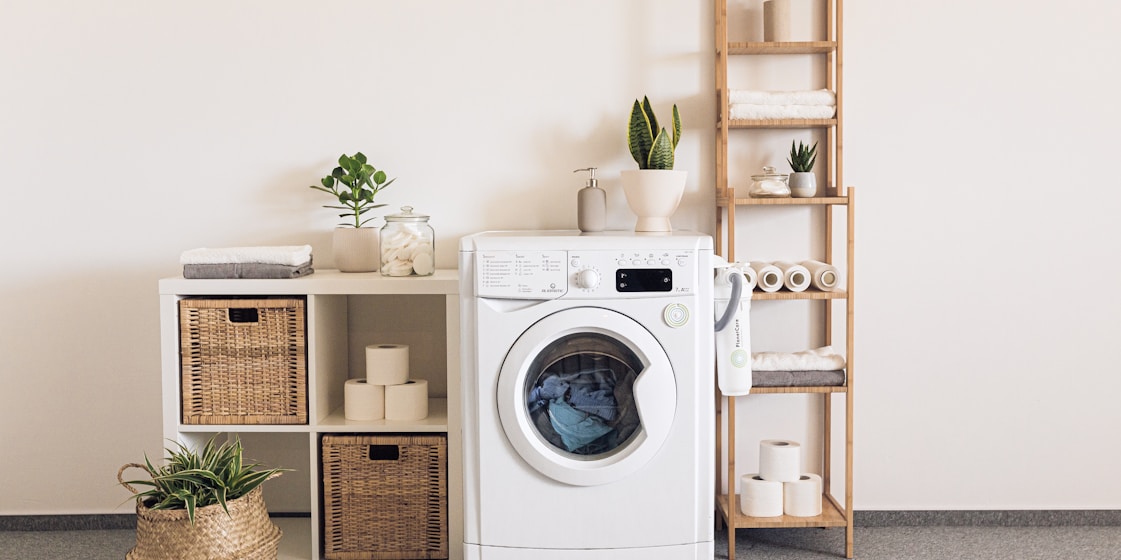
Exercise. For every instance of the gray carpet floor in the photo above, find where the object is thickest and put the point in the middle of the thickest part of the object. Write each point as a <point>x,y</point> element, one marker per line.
<point>928,543</point>
<point>871,543</point>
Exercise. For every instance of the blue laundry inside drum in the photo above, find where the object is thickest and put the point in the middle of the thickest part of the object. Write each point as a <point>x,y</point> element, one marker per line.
<point>583,402</point>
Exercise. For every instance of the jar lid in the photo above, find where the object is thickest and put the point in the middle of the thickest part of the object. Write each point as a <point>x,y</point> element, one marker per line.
<point>406,215</point>
<point>769,173</point>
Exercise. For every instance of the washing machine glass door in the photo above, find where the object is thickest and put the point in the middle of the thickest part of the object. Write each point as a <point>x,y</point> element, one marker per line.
<point>587,396</point>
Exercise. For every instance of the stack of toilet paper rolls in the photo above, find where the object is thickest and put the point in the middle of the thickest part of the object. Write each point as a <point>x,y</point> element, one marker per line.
<point>386,391</point>
<point>780,487</point>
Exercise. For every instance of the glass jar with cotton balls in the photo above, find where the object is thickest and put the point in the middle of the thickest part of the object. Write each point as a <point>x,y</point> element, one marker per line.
<point>407,245</point>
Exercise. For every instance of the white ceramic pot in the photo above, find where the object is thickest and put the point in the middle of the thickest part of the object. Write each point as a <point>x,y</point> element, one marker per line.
<point>653,195</point>
<point>356,249</point>
<point>803,184</point>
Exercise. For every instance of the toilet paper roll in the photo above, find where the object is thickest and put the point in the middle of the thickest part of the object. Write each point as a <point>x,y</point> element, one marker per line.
<point>780,460</point>
<point>751,278</point>
<point>759,497</point>
<point>823,276</point>
<point>776,20</point>
<point>795,277</point>
<point>363,401</point>
<point>767,275</point>
<point>802,497</point>
<point>407,401</point>
<point>387,364</point>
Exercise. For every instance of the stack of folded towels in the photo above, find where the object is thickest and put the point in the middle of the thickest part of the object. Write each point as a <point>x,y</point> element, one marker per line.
<point>287,261</point>
<point>766,105</point>
<point>809,368</point>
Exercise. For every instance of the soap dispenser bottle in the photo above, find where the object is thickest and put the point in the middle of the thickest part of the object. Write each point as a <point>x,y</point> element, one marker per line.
<point>591,204</point>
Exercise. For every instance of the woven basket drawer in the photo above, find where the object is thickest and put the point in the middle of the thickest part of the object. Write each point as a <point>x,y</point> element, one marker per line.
<point>244,361</point>
<point>385,497</point>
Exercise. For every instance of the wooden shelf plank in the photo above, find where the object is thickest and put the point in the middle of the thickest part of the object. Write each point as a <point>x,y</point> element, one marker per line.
<point>808,294</point>
<point>723,201</point>
<point>784,390</point>
<point>782,123</point>
<point>774,47</point>
<point>831,516</point>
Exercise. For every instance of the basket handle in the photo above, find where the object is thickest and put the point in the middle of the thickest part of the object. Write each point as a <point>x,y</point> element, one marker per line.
<point>120,476</point>
<point>240,315</point>
<point>384,452</point>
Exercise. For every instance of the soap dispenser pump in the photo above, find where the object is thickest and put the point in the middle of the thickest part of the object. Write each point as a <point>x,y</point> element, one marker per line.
<point>591,204</point>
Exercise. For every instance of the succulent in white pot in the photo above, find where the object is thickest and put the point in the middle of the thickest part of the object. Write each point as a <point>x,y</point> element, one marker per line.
<point>803,183</point>
<point>654,190</point>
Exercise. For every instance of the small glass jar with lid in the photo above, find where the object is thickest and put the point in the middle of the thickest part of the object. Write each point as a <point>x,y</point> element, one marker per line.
<point>407,245</point>
<point>769,184</point>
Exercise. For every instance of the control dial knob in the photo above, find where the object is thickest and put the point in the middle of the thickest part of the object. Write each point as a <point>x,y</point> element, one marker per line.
<point>587,279</point>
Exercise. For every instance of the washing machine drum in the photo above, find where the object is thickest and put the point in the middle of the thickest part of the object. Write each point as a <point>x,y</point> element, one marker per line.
<point>587,396</point>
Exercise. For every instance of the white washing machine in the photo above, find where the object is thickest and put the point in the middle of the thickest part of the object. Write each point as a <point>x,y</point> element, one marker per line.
<point>587,395</point>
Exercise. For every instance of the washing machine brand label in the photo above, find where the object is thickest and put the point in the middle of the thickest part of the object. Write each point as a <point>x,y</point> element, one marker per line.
<point>522,274</point>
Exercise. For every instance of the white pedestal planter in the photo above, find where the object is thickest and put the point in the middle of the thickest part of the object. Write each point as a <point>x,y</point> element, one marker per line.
<point>653,195</point>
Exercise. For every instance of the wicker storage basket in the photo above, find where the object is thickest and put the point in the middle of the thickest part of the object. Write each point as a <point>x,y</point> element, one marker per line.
<point>246,533</point>
<point>385,497</point>
<point>244,361</point>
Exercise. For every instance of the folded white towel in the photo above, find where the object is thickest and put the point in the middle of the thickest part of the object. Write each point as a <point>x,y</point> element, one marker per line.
<point>765,112</point>
<point>811,97</point>
<point>289,255</point>
<point>818,359</point>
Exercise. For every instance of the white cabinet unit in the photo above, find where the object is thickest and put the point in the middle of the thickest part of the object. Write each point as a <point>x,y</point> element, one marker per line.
<point>344,313</point>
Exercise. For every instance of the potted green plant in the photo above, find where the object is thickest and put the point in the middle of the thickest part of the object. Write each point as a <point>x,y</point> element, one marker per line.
<point>354,184</point>
<point>654,190</point>
<point>803,183</point>
<point>202,505</point>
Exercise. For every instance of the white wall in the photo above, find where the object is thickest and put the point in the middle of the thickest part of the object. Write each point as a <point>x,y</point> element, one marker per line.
<point>131,131</point>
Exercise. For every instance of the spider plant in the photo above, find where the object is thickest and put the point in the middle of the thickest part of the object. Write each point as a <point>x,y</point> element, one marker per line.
<point>192,480</point>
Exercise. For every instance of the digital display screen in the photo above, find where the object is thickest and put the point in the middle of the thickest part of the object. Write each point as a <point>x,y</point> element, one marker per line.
<point>643,280</point>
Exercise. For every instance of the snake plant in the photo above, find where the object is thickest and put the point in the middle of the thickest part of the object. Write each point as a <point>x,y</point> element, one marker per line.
<point>354,183</point>
<point>191,480</point>
<point>802,158</point>
<point>652,147</point>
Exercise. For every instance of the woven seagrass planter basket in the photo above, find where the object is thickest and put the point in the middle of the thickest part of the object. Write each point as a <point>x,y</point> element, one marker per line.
<point>246,533</point>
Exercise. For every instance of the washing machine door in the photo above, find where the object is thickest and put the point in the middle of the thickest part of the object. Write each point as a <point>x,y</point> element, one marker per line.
<point>587,396</point>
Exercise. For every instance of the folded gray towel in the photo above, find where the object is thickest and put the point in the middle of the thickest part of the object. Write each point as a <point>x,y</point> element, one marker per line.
<point>246,270</point>
<point>826,378</point>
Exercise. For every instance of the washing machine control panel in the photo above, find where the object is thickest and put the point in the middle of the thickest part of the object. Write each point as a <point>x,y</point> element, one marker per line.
<point>585,274</point>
